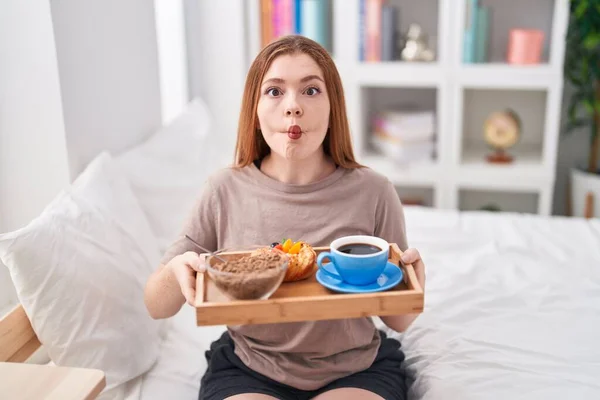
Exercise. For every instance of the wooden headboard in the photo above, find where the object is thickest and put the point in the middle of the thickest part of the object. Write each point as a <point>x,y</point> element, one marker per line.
<point>18,341</point>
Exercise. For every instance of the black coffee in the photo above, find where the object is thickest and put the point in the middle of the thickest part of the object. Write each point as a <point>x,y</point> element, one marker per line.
<point>359,248</point>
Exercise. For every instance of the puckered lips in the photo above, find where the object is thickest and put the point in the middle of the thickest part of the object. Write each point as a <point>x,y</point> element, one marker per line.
<point>294,132</point>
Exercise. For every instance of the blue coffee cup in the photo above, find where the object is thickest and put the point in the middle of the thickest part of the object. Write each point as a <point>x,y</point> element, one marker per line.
<point>356,260</point>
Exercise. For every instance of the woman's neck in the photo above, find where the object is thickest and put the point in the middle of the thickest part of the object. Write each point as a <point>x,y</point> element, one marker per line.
<point>300,172</point>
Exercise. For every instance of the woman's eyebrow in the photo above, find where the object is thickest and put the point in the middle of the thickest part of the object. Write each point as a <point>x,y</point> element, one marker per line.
<point>310,78</point>
<point>305,79</point>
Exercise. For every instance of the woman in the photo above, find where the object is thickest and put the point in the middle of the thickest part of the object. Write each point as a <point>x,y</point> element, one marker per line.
<point>295,176</point>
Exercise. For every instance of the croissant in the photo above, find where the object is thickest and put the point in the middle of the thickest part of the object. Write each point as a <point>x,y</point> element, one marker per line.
<point>301,265</point>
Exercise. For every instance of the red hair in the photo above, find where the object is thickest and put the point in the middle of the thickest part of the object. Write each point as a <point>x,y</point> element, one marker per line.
<point>337,144</point>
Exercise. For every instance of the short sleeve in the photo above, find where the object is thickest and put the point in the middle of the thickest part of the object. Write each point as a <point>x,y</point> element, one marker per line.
<point>200,225</point>
<point>389,217</point>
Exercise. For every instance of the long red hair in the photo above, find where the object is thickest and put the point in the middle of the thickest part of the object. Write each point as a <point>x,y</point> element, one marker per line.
<point>250,144</point>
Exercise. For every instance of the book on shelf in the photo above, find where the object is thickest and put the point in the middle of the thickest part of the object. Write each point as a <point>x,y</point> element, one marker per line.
<point>389,23</point>
<point>382,39</point>
<point>372,21</point>
<point>405,153</point>
<point>412,201</point>
<point>308,18</point>
<point>404,136</point>
<point>405,125</point>
<point>482,41</point>
<point>378,31</point>
<point>476,34</point>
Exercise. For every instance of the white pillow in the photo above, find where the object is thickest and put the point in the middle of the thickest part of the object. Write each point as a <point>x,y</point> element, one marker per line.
<point>168,170</point>
<point>80,269</point>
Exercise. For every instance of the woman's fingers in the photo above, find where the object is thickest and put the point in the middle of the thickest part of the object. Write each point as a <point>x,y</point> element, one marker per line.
<point>189,290</point>
<point>185,273</point>
<point>187,280</point>
<point>201,263</point>
<point>194,261</point>
<point>411,256</point>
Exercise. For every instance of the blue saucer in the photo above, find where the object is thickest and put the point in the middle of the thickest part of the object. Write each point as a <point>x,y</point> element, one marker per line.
<point>390,277</point>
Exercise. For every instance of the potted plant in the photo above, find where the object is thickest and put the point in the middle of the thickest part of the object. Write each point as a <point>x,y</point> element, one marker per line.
<point>582,71</point>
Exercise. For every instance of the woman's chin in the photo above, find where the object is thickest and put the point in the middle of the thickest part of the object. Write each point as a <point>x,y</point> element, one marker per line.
<point>295,150</point>
<point>292,153</point>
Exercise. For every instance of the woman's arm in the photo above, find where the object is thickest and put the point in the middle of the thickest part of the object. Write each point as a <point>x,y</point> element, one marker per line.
<point>171,285</point>
<point>174,281</point>
<point>391,226</point>
<point>399,323</point>
<point>163,295</point>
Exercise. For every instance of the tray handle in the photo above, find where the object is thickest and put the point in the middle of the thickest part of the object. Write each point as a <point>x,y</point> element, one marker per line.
<point>200,286</point>
<point>410,277</point>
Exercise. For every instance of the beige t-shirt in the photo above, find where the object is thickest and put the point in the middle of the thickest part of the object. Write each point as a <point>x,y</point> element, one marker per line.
<point>246,207</point>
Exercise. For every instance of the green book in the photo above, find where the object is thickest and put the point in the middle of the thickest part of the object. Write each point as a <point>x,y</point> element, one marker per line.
<point>482,30</point>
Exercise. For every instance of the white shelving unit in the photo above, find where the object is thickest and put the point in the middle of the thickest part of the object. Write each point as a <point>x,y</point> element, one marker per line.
<point>462,95</point>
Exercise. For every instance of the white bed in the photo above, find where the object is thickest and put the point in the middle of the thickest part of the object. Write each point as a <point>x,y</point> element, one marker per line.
<point>512,307</point>
<point>512,312</point>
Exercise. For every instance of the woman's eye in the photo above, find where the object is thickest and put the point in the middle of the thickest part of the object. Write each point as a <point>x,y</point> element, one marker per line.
<point>274,92</point>
<point>312,91</point>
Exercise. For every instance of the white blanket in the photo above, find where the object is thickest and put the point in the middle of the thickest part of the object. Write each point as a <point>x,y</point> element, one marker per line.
<point>512,311</point>
<point>512,307</point>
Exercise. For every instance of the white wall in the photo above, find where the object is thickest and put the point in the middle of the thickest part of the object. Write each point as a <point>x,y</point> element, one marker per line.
<point>76,78</point>
<point>33,156</point>
<point>107,57</point>
<point>172,57</point>
<point>217,63</point>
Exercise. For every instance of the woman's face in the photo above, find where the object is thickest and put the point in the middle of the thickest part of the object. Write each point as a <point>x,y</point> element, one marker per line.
<point>293,109</point>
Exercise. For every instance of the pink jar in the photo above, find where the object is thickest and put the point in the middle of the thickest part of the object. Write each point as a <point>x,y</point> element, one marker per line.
<point>525,46</point>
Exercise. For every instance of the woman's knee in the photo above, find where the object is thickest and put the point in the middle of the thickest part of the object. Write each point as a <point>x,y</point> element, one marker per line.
<point>348,394</point>
<point>251,396</point>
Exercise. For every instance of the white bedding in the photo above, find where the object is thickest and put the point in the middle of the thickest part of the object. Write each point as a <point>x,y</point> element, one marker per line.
<point>177,373</point>
<point>512,307</point>
<point>512,312</point>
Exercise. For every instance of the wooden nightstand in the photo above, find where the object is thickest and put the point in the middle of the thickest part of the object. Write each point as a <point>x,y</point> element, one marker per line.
<point>19,380</point>
<point>46,382</point>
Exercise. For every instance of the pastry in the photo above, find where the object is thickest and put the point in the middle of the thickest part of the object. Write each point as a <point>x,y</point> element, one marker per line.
<point>302,258</point>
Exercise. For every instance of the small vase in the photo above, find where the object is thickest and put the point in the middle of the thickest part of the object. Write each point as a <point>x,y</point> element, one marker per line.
<point>525,46</point>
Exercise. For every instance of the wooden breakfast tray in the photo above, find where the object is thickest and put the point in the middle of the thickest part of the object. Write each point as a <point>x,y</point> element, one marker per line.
<point>308,300</point>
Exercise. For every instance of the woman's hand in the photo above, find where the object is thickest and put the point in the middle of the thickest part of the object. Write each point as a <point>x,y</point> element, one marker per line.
<point>412,256</point>
<point>184,267</point>
<point>400,323</point>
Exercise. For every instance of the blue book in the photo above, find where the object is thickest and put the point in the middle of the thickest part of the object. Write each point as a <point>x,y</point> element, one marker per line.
<point>470,40</point>
<point>388,32</point>
<point>468,47</point>
<point>482,32</point>
<point>314,23</point>
<point>298,15</point>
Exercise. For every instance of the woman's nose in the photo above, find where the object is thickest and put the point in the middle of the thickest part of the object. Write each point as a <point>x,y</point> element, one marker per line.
<point>293,109</point>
